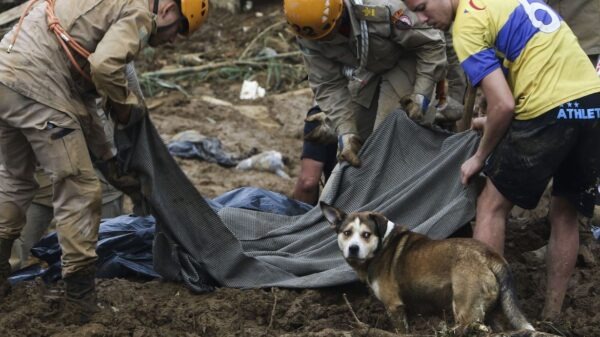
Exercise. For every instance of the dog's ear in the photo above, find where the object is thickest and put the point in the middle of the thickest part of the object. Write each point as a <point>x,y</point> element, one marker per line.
<point>381,223</point>
<point>333,215</point>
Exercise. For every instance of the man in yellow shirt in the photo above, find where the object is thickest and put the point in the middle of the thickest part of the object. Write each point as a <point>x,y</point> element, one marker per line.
<point>543,120</point>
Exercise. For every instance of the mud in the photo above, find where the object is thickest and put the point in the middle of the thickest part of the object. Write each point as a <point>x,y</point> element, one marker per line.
<point>155,308</point>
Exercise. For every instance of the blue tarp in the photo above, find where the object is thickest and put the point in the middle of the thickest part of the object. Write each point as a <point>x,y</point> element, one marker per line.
<point>125,243</point>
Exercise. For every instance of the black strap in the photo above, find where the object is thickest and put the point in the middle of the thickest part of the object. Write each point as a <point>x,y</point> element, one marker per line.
<point>155,9</point>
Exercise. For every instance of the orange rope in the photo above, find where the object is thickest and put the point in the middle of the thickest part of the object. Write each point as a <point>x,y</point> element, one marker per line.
<point>65,40</point>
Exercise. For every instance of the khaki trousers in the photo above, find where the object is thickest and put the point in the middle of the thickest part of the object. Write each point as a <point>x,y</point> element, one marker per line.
<point>39,220</point>
<point>31,132</point>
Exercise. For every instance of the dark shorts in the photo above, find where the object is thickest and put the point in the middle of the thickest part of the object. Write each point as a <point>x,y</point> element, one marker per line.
<point>325,153</point>
<point>562,144</point>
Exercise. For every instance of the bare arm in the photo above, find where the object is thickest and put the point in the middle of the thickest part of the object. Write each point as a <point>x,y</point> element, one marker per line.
<point>500,113</point>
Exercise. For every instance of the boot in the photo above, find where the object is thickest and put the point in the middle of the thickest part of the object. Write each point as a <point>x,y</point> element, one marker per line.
<point>80,296</point>
<point>5,270</point>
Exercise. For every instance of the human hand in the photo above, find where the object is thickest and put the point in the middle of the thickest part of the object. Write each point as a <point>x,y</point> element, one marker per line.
<point>322,129</point>
<point>127,183</point>
<point>449,111</point>
<point>349,145</point>
<point>478,124</point>
<point>128,114</point>
<point>470,168</point>
<point>415,106</point>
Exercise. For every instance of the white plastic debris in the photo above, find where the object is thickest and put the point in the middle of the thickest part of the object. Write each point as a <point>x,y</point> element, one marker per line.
<point>251,90</point>
<point>269,161</point>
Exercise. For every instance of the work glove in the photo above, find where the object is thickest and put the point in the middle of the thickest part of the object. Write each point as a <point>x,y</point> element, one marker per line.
<point>322,129</point>
<point>127,183</point>
<point>127,115</point>
<point>415,105</point>
<point>349,145</point>
<point>449,111</point>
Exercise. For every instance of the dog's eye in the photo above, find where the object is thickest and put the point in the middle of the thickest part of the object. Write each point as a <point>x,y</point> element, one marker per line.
<point>347,233</point>
<point>366,235</point>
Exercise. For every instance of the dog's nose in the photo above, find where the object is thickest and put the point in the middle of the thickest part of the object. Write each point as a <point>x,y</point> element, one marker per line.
<point>353,250</point>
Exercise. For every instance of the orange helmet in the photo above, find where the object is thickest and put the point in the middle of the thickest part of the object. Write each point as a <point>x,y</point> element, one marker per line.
<point>194,13</point>
<point>312,19</point>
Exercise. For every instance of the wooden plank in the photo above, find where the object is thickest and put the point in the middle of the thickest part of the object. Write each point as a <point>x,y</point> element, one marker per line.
<point>465,122</point>
<point>12,14</point>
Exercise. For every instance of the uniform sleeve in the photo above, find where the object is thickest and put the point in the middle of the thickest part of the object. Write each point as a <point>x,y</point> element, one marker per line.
<point>100,132</point>
<point>330,86</point>
<point>429,48</point>
<point>118,47</point>
<point>474,45</point>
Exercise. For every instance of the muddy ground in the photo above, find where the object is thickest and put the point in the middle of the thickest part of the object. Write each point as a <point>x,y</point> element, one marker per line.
<point>155,308</point>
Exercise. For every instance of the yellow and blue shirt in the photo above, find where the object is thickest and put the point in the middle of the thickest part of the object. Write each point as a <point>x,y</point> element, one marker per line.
<point>539,54</point>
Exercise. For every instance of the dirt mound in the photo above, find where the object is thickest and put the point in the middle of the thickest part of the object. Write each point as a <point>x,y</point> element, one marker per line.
<point>211,106</point>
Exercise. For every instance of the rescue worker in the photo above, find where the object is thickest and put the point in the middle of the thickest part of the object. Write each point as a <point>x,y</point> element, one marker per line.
<point>55,63</point>
<point>543,120</point>
<point>316,160</point>
<point>362,60</point>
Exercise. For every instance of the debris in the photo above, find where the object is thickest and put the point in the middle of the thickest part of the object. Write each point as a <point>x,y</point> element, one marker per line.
<point>267,53</point>
<point>269,161</point>
<point>170,85</point>
<point>252,90</point>
<point>190,59</point>
<point>536,257</point>
<point>259,36</point>
<point>191,144</point>
<point>586,255</point>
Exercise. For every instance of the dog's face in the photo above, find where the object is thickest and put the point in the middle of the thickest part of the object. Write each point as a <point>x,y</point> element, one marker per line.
<point>358,234</point>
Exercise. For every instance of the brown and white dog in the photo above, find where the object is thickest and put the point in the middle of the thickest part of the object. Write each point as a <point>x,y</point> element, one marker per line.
<point>407,269</point>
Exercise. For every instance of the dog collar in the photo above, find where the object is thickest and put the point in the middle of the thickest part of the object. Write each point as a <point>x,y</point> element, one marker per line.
<point>390,226</point>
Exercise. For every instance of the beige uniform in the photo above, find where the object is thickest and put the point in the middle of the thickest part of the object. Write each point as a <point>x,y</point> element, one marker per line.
<point>404,58</point>
<point>582,16</point>
<point>40,215</point>
<point>48,114</point>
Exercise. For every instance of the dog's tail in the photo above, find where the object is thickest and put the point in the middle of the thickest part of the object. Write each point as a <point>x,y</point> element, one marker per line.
<point>508,298</point>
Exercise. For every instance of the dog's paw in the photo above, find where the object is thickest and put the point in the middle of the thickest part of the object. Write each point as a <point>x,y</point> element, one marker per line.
<point>476,329</point>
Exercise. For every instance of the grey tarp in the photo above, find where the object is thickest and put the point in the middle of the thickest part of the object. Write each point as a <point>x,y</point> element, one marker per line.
<point>409,173</point>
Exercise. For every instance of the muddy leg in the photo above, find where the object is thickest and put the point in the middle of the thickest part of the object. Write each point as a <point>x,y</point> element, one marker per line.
<point>398,317</point>
<point>492,212</point>
<point>561,255</point>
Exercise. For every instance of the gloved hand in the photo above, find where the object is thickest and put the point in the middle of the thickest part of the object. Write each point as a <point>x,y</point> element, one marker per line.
<point>349,145</point>
<point>127,183</point>
<point>415,106</point>
<point>450,111</point>
<point>322,129</point>
<point>128,114</point>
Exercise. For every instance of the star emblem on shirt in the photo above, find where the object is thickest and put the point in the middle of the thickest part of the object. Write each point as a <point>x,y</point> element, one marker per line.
<point>569,104</point>
<point>576,104</point>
